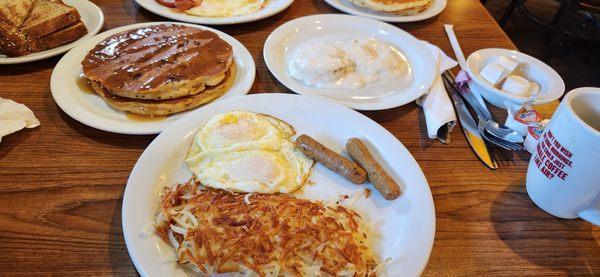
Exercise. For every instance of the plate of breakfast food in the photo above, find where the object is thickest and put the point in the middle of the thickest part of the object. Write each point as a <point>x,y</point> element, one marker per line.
<point>140,78</point>
<point>277,185</point>
<point>362,63</point>
<point>391,10</point>
<point>34,30</point>
<point>215,12</point>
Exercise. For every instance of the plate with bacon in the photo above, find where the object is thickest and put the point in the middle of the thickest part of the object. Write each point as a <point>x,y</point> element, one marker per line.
<point>215,12</point>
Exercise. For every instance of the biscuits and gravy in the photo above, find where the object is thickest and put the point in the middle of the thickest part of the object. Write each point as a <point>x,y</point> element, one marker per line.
<point>346,64</point>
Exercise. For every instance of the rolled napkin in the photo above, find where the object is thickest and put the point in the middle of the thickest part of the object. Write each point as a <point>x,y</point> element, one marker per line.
<point>15,117</point>
<point>437,107</point>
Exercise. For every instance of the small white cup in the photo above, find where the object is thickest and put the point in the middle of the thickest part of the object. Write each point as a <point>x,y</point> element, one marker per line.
<point>564,172</point>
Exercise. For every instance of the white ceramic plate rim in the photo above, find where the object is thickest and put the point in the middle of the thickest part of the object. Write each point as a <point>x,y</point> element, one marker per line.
<point>269,10</point>
<point>394,100</point>
<point>148,170</point>
<point>84,7</point>
<point>347,7</point>
<point>60,92</point>
<point>554,92</point>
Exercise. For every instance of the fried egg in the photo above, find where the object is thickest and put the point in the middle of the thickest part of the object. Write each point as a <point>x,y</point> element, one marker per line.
<point>239,130</point>
<point>248,152</point>
<point>225,8</point>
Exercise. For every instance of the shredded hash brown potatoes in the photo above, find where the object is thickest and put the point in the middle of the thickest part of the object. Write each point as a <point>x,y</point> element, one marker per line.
<point>214,231</point>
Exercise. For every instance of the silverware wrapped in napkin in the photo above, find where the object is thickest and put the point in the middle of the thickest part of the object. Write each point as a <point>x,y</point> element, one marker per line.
<point>437,107</point>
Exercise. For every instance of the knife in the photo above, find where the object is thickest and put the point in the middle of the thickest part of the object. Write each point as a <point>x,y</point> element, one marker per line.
<point>470,129</point>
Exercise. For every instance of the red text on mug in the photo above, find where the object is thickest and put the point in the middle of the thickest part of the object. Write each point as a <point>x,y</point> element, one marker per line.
<point>552,158</point>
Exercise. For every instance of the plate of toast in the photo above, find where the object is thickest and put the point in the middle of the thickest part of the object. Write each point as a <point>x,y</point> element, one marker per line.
<point>36,30</point>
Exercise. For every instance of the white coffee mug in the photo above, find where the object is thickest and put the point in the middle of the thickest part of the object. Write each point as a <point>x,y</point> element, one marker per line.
<point>564,172</point>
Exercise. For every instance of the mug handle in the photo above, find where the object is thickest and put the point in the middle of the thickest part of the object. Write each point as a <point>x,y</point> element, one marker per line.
<point>591,215</point>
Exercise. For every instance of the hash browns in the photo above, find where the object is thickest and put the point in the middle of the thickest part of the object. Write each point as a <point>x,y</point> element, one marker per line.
<point>216,231</point>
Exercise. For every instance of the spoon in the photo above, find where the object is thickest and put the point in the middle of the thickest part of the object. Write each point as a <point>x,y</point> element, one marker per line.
<point>503,132</point>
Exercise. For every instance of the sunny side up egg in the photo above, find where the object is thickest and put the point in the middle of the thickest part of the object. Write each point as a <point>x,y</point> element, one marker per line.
<point>225,8</point>
<point>248,152</point>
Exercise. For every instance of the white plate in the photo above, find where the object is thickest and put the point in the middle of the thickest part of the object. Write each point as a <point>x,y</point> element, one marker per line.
<point>273,7</point>
<point>90,109</point>
<point>92,17</point>
<point>281,44</point>
<point>407,224</point>
<point>344,5</point>
<point>552,86</point>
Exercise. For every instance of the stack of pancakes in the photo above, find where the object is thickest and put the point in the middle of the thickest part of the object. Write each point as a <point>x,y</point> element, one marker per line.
<point>399,7</point>
<point>160,70</point>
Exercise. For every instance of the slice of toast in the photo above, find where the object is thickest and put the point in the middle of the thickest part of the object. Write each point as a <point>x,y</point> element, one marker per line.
<point>13,14</point>
<point>61,37</point>
<point>48,16</point>
<point>12,43</point>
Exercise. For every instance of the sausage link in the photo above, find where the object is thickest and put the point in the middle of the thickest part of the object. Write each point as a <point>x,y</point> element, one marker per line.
<point>332,160</point>
<point>382,181</point>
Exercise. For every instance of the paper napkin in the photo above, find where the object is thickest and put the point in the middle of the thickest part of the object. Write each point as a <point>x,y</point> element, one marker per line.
<point>15,117</point>
<point>437,106</point>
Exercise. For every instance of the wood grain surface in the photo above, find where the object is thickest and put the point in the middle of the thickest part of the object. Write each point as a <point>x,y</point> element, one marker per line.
<point>61,184</point>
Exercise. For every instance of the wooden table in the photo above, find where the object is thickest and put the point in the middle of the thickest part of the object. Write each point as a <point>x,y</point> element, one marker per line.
<point>61,184</point>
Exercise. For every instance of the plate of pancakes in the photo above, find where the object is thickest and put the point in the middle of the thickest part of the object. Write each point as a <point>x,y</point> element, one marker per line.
<point>138,79</point>
<point>215,12</point>
<point>391,10</point>
<point>236,229</point>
